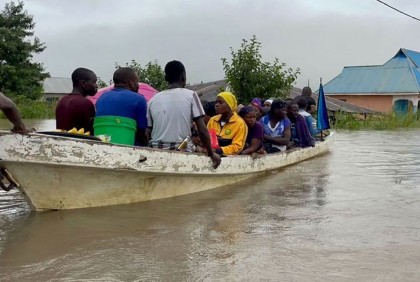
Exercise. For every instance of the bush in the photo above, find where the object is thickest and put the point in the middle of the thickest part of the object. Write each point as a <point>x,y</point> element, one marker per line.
<point>30,109</point>
<point>249,77</point>
<point>375,122</point>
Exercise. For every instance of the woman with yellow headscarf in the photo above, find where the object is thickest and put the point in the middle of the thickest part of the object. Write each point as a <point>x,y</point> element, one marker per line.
<point>231,129</point>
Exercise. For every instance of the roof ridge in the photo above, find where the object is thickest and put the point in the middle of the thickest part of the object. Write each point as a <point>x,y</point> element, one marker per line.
<point>410,57</point>
<point>366,66</point>
<point>412,64</point>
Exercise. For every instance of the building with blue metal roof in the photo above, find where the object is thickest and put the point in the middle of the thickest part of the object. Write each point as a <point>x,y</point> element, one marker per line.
<point>394,85</point>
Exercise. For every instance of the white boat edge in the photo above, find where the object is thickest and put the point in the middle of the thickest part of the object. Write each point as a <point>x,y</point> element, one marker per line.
<point>56,173</point>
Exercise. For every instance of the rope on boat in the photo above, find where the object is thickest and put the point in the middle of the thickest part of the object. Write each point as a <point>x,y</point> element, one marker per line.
<point>4,174</point>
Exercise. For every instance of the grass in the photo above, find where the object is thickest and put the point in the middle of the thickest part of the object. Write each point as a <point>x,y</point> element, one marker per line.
<point>30,109</point>
<point>390,121</point>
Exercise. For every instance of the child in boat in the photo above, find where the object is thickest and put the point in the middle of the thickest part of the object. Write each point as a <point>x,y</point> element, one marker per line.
<point>276,126</point>
<point>230,128</point>
<point>254,139</point>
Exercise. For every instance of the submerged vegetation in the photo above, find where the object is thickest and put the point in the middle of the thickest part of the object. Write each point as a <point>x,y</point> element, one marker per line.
<point>389,121</point>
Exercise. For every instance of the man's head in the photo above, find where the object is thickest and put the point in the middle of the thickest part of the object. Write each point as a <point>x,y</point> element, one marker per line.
<point>85,81</point>
<point>278,109</point>
<point>175,73</point>
<point>288,100</point>
<point>249,115</point>
<point>311,107</point>
<point>126,78</point>
<point>307,91</point>
<point>225,103</point>
<point>302,103</point>
<point>268,102</point>
<point>293,109</point>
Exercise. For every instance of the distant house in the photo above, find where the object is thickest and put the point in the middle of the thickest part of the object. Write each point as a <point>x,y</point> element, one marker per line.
<point>393,86</point>
<point>56,87</point>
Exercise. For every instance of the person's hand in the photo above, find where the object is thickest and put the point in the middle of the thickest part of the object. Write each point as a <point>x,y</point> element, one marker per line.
<point>262,151</point>
<point>21,130</point>
<point>291,144</point>
<point>215,158</point>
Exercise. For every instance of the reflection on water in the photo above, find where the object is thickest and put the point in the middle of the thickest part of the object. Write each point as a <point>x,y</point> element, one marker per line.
<point>349,215</point>
<point>37,124</point>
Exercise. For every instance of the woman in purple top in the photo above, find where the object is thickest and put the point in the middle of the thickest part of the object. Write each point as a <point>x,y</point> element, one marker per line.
<point>255,130</point>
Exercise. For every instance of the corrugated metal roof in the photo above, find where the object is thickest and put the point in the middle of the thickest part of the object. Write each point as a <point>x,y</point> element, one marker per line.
<point>335,105</point>
<point>399,75</point>
<point>57,85</point>
<point>208,91</point>
<point>413,56</point>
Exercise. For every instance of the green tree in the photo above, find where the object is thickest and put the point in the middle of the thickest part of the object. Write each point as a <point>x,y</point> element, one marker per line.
<point>18,74</point>
<point>101,83</point>
<point>249,77</point>
<point>152,73</point>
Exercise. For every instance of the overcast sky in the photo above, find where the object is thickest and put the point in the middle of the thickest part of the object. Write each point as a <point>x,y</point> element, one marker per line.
<point>318,36</point>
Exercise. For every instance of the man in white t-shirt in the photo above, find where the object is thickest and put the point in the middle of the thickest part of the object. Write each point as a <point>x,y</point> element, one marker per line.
<point>171,113</point>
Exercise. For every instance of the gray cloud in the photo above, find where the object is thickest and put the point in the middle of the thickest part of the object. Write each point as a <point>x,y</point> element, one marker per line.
<point>320,37</point>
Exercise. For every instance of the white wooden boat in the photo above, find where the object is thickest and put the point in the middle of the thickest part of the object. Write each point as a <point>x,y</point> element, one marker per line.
<point>56,172</point>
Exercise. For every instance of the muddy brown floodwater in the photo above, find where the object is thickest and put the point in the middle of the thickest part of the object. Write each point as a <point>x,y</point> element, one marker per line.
<point>348,215</point>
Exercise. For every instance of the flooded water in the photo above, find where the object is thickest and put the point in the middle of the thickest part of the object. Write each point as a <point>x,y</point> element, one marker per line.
<point>349,215</point>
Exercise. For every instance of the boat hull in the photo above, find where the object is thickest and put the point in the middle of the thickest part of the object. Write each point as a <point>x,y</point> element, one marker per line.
<point>66,173</point>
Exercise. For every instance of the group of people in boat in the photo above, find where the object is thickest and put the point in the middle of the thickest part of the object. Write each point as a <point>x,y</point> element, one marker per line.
<point>262,127</point>
<point>176,115</point>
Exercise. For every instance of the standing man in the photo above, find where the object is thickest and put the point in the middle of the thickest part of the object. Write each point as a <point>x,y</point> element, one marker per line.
<point>125,101</point>
<point>12,114</point>
<point>307,93</point>
<point>172,112</point>
<point>74,109</point>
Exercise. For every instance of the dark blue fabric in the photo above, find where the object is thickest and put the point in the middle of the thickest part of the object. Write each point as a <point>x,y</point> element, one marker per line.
<point>124,103</point>
<point>302,131</point>
<point>322,113</point>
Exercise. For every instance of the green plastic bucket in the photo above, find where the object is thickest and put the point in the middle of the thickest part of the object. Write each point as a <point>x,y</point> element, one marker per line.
<point>115,129</point>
